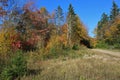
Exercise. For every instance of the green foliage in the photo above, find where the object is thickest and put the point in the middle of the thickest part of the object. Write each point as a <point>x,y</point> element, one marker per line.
<point>55,52</point>
<point>59,16</point>
<point>117,46</point>
<point>75,47</point>
<point>59,19</point>
<point>71,10</point>
<point>101,27</point>
<point>16,68</point>
<point>108,29</point>
<point>71,21</point>
<point>114,11</point>
<point>102,44</point>
<point>77,31</point>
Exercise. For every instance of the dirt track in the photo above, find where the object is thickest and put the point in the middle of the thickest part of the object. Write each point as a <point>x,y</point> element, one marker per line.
<point>116,54</point>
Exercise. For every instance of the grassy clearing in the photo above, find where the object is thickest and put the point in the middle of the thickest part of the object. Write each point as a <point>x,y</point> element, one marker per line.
<point>84,65</point>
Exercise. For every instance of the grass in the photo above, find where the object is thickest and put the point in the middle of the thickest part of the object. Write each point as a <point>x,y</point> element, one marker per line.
<point>78,65</point>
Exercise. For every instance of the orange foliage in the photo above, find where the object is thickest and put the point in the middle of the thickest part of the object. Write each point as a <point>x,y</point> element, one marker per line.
<point>6,39</point>
<point>64,35</point>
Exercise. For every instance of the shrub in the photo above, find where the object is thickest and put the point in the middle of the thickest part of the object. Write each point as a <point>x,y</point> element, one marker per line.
<point>102,44</point>
<point>16,68</point>
<point>92,42</point>
<point>54,52</point>
<point>117,46</point>
<point>75,47</point>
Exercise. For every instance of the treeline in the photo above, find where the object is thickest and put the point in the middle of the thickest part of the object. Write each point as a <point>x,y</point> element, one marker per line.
<point>108,28</point>
<point>27,28</point>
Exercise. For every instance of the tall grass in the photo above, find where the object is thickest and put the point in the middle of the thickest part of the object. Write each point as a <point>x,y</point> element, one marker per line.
<point>90,66</point>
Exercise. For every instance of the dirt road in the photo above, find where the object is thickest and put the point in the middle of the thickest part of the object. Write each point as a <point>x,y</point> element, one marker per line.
<point>116,54</point>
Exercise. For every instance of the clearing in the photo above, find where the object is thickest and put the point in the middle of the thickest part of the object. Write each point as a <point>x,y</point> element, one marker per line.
<point>95,65</point>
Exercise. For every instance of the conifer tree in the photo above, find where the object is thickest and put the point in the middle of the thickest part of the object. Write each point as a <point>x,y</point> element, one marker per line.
<point>59,19</point>
<point>114,11</point>
<point>102,24</point>
<point>71,23</point>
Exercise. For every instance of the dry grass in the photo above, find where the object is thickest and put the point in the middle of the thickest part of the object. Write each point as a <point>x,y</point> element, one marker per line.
<point>88,67</point>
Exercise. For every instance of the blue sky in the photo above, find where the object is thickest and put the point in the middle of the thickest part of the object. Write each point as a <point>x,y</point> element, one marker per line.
<point>89,11</point>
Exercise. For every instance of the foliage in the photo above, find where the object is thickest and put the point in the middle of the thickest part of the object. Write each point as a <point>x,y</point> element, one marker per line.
<point>75,47</point>
<point>6,39</point>
<point>54,46</point>
<point>93,42</point>
<point>114,11</point>
<point>64,35</point>
<point>102,26</point>
<point>108,29</point>
<point>77,32</point>
<point>29,29</point>
<point>59,19</point>
<point>16,68</point>
<point>80,32</point>
<point>71,21</point>
<point>102,45</point>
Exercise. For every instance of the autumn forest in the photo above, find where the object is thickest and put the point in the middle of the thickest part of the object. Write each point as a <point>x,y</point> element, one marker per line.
<point>39,45</point>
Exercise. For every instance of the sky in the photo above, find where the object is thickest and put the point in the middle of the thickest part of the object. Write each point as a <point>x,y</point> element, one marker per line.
<point>89,11</point>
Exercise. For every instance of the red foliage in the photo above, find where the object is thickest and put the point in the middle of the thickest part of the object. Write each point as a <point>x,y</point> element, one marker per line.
<point>28,44</point>
<point>16,45</point>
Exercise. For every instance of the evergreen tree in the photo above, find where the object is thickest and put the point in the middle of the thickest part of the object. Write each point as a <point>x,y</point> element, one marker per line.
<point>71,11</point>
<point>114,11</point>
<point>102,25</point>
<point>59,17</point>
<point>71,21</point>
<point>104,20</point>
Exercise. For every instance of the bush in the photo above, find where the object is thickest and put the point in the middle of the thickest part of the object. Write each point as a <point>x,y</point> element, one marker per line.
<point>16,68</point>
<point>117,46</point>
<point>75,47</point>
<point>102,44</point>
<point>55,52</point>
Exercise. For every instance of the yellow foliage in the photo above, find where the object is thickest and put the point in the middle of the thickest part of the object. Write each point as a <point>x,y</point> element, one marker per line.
<point>5,39</point>
<point>55,41</point>
<point>93,42</point>
<point>64,35</point>
<point>81,31</point>
<point>107,34</point>
<point>58,41</point>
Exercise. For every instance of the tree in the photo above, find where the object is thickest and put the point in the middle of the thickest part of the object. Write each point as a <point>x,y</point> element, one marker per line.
<point>6,8</point>
<point>45,15</point>
<point>59,17</point>
<point>71,23</point>
<point>80,30</point>
<point>102,26</point>
<point>114,11</point>
<point>3,5</point>
<point>108,30</point>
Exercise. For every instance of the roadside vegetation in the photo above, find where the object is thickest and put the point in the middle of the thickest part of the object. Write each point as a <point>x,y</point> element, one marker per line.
<point>39,45</point>
<point>108,29</point>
